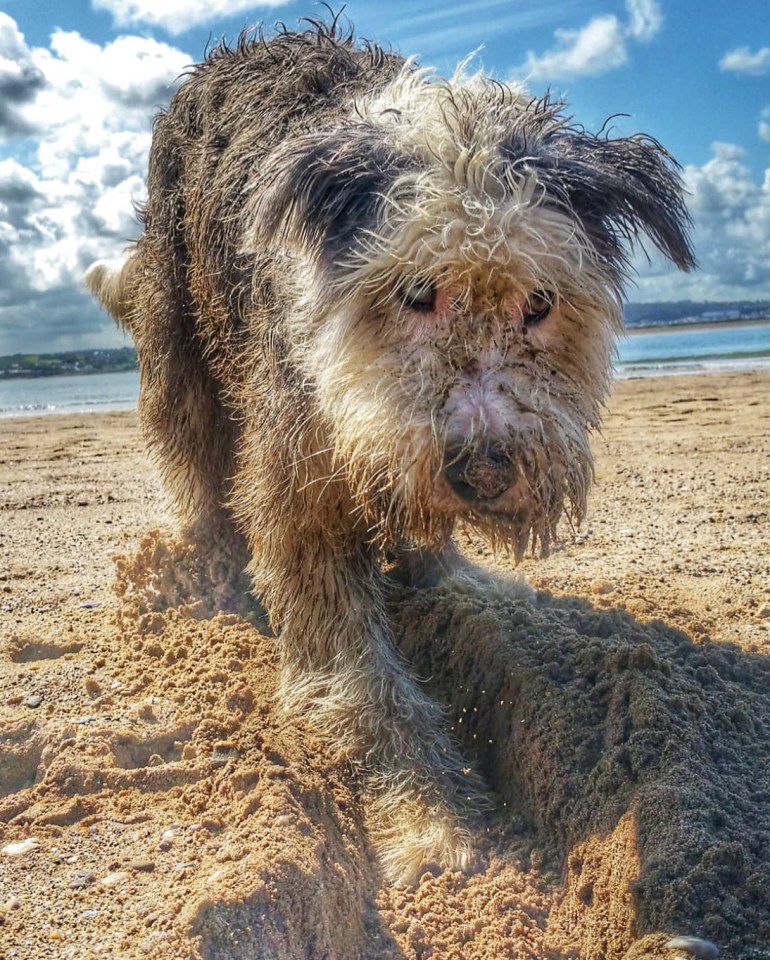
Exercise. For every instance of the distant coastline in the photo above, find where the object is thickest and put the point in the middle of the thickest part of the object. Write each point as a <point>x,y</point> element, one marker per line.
<point>67,363</point>
<point>696,325</point>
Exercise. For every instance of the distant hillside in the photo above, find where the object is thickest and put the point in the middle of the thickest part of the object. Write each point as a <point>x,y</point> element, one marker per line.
<point>68,362</point>
<point>688,311</point>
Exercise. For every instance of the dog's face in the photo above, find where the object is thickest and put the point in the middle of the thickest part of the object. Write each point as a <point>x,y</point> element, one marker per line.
<point>457,261</point>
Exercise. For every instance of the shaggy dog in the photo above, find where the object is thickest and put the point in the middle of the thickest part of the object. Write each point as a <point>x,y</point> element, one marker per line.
<point>371,304</point>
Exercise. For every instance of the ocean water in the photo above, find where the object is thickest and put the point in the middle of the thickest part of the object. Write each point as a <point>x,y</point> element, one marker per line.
<point>682,350</point>
<point>84,393</point>
<point>676,350</point>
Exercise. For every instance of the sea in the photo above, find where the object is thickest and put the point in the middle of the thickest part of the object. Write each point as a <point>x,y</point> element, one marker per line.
<point>80,393</point>
<point>653,352</point>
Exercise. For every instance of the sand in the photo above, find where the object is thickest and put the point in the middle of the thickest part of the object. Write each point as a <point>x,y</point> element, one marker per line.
<point>154,804</point>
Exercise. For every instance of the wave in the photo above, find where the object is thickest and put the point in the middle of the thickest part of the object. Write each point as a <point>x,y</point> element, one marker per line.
<point>102,405</point>
<point>662,367</point>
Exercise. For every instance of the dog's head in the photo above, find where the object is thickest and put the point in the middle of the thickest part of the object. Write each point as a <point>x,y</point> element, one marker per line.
<point>453,256</point>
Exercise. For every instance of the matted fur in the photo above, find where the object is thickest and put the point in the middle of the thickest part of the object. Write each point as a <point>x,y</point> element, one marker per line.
<point>311,415</point>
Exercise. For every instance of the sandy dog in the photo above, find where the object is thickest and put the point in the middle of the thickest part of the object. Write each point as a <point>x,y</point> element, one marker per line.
<point>371,304</point>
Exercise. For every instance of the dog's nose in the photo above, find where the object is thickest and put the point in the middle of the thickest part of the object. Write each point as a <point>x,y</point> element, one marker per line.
<point>480,474</point>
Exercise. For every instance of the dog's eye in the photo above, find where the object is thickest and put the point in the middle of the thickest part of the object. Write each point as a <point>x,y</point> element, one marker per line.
<point>419,295</point>
<point>537,308</point>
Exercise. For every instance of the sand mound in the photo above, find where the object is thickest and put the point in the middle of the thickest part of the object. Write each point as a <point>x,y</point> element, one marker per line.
<point>639,760</point>
<point>170,812</point>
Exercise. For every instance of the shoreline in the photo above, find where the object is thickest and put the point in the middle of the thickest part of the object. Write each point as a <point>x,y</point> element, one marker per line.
<point>99,392</point>
<point>708,368</point>
<point>97,408</point>
<point>45,375</point>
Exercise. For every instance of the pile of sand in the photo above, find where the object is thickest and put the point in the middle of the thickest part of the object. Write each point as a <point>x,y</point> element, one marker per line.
<point>175,814</point>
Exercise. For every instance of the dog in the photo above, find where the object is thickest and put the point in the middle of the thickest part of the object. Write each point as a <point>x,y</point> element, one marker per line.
<point>371,306</point>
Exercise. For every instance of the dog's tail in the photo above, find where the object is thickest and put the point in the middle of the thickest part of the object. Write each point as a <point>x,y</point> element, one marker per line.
<point>106,281</point>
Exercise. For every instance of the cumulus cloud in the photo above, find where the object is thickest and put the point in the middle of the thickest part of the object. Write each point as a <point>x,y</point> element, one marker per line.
<point>70,201</point>
<point>595,48</point>
<point>731,211</point>
<point>176,16</point>
<point>742,60</point>
<point>20,79</point>
<point>598,47</point>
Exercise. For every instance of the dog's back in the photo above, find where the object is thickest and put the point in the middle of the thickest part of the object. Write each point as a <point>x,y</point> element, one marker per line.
<point>186,285</point>
<point>235,108</point>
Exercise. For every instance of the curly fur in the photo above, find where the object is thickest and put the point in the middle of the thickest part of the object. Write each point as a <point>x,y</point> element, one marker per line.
<point>310,419</point>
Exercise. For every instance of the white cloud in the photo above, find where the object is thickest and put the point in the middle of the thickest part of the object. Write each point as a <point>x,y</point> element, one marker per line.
<point>70,201</point>
<point>20,80</point>
<point>645,19</point>
<point>755,64</point>
<point>596,48</point>
<point>94,92</point>
<point>731,211</point>
<point>176,16</point>
<point>742,60</point>
<point>764,124</point>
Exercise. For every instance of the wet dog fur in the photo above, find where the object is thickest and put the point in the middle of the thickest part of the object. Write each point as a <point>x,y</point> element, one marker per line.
<point>370,305</point>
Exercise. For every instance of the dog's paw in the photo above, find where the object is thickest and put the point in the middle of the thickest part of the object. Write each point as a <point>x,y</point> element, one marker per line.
<point>407,848</point>
<point>419,827</point>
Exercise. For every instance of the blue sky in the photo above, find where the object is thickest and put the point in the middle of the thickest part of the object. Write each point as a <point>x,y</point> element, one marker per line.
<point>81,79</point>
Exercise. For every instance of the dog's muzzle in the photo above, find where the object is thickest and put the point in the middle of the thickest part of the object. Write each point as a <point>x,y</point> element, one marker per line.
<point>479,475</point>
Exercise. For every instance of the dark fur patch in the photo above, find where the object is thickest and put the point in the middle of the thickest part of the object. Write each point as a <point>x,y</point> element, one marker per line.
<point>617,188</point>
<point>327,188</point>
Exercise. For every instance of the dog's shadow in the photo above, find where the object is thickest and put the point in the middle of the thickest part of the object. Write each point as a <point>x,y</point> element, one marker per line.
<point>639,758</point>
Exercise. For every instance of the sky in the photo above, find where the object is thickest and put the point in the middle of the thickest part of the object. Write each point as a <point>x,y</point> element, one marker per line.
<point>80,81</point>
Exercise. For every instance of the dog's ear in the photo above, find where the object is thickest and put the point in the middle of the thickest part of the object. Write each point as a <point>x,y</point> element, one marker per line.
<point>617,188</point>
<point>324,190</point>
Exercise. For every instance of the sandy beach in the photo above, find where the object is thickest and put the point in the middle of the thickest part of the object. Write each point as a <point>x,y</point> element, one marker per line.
<point>154,804</point>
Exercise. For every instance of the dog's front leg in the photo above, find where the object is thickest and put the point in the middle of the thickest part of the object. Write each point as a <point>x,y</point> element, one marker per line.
<point>340,669</point>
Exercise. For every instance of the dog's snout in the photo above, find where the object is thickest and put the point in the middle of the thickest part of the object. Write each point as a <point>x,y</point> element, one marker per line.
<point>478,474</point>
